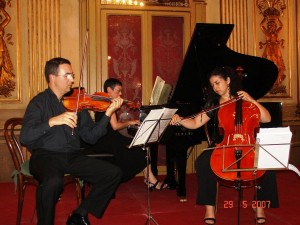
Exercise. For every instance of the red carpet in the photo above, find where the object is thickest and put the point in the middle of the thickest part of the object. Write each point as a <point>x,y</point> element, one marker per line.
<point>130,205</point>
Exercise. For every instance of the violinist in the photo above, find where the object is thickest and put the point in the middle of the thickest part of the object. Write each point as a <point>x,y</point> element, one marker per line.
<point>53,136</point>
<point>225,86</point>
<point>131,161</point>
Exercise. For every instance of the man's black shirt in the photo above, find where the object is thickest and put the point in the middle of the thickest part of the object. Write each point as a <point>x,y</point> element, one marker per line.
<point>37,134</point>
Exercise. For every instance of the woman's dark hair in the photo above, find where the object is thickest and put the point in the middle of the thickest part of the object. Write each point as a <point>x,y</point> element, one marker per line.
<point>52,65</point>
<point>111,82</point>
<point>225,72</point>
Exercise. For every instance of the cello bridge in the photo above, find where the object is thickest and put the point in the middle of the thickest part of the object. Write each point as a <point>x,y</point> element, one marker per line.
<point>238,136</point>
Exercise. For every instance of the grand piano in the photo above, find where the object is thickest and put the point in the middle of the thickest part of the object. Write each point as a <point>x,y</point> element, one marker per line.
<point>207,50</point>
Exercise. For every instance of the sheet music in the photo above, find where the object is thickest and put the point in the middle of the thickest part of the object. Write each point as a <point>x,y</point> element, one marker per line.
<point>160,92</point>
<point>274,147</point>
<point>153,126</point>
<point>157,89</point>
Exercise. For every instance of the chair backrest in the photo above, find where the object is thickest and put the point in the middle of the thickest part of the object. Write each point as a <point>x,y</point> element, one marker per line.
<point>18,153</point>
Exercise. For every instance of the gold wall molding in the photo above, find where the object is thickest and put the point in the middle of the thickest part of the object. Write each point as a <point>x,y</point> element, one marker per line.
<point>43,40</point>
<point>238,12</point>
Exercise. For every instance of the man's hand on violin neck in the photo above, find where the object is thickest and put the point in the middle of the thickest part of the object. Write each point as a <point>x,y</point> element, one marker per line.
<point>67,118</point>
<point>115,104</point>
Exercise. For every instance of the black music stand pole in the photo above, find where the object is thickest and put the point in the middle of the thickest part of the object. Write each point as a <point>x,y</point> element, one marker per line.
<point>150,131</point>
<point>149,216</point>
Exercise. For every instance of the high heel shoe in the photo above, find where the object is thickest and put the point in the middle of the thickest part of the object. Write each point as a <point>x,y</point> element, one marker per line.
<point>154,186</point>
<point>259,219</point>
<point>209,220</point>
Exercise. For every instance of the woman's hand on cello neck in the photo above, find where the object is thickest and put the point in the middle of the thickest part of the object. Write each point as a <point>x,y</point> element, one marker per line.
<point>245,96</point>
<point>265,116</point>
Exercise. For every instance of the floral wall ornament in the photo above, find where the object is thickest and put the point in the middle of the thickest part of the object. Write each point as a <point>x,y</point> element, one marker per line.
<point>271,25</point>
<point>125,55</point>
<point>7,83</point>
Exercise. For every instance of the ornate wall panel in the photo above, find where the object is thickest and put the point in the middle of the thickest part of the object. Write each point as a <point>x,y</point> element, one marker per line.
<point>167,47</point>
<point>9,51</point>
<point>275,40</point>
<point>124,53</point>
<point>253,35</point>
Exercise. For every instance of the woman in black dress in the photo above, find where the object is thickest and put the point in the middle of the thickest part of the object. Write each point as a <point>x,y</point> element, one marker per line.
<point>225,85</point>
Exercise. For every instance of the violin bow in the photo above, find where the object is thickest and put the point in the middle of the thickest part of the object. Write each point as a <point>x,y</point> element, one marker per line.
<point>81,73</point>
<point>211,109</point>
<point>81,70</point>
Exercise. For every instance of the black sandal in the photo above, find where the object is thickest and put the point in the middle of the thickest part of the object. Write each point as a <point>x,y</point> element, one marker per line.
<point>206,220</point>
<point>154,186</point>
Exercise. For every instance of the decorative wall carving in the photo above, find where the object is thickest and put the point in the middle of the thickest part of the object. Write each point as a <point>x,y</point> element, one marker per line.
<point>124,53</point>
<point>8,79</point>
<point>266,28</point>
<point>271,25</point>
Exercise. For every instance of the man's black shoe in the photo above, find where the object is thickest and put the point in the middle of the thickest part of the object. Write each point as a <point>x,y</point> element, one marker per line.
<point>76,219</point>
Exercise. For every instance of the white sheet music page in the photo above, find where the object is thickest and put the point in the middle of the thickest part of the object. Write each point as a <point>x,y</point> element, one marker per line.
<point>153,126</point>
<point>274,147</point>
<point>156,91</point>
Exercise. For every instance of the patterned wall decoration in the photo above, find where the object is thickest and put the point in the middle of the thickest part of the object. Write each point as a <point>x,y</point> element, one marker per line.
<point>9,84</point>
<point>167,38</point>
<point>167,55</point>
<point>124,54</point>
<point>273,45</point>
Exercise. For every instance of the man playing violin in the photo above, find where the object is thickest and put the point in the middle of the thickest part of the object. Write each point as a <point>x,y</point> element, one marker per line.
<point>225,86</point>
<point>131,161</point>
<point>53,136</point>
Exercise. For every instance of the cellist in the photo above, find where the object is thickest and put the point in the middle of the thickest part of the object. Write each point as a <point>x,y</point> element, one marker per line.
<point>225,85</point>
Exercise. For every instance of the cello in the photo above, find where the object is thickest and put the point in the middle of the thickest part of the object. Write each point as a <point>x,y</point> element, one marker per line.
<point>233,159</point>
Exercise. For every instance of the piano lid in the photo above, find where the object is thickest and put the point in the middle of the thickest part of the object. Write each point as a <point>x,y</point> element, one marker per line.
<point>207,50</point>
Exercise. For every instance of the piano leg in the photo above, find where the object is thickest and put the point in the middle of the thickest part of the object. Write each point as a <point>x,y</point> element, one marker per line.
<point>176,156</point>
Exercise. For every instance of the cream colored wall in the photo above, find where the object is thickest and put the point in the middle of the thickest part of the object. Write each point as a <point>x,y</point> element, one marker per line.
<point>50,29</point>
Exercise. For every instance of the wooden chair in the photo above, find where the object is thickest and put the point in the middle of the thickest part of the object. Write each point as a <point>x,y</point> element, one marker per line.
<point>20,156</point>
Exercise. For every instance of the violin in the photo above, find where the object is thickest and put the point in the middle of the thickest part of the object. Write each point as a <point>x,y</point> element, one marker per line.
<point>77,99</point>
<point>239,122</point>
<point>99,101</point>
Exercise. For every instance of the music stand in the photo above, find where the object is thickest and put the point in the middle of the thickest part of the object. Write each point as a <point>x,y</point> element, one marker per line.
<point>272,150</point>
<point>150,131</point>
